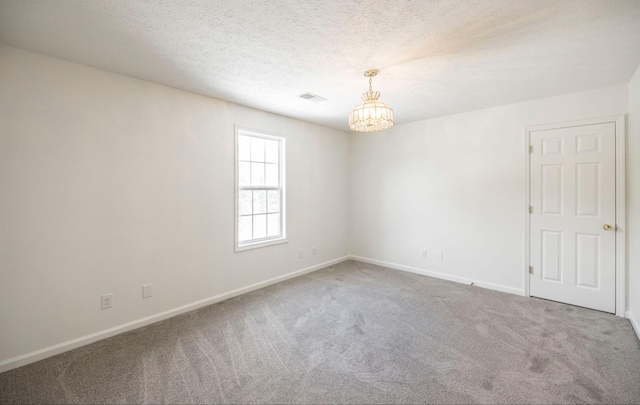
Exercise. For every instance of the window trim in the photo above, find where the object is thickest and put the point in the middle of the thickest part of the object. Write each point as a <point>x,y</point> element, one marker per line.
<point>269,241</point>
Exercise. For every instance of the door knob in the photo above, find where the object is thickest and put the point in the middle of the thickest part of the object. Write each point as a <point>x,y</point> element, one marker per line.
<point>607,227</point>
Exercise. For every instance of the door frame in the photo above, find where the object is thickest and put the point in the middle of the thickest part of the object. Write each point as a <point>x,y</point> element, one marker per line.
<point>621,230</point>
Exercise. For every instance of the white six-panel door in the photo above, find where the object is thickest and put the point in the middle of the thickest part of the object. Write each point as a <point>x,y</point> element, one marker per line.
<point>572,220</point>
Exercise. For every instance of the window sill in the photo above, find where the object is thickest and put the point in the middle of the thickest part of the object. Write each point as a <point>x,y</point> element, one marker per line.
<point>257,245</point>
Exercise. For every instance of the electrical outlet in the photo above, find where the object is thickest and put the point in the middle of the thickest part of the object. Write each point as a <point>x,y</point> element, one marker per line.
<point>300,253</point>
<point>146,291</point>
<point>313,251</point>
<point>423,254</point>
<point>107,301</point>
<point>439,255</point>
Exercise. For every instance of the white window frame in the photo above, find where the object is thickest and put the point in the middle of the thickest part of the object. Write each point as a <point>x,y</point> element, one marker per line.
<point>273,240</point>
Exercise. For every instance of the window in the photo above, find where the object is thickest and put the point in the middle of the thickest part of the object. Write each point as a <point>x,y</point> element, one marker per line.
<point>260,189</point>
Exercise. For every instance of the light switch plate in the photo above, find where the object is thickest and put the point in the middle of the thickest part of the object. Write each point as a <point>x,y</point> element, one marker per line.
<point>146,291</point>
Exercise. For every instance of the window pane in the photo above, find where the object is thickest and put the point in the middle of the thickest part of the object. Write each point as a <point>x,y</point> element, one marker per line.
<point>244,229</point>
<point>273,201</point>
<point>245,202</point>
<point>257,174</point>
<point>273,224</point>
<point>259,226</point>
<point>271,151</point>
<point>259,201</point>
<point>244,173</point>
<point>271,178</point>
<point>244,148</point>
<point>260,198</point>
<point>257,149</point>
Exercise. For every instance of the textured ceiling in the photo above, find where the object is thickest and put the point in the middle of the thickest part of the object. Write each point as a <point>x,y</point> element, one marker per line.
<point>435,57</point>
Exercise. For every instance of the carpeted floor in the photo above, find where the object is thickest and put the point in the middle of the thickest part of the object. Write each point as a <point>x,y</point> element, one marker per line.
<point>352,333</point>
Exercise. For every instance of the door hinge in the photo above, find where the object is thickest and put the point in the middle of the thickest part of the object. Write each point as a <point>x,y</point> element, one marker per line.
<point>530,148</point>
<point>531,209</point>
<point>530,269</point>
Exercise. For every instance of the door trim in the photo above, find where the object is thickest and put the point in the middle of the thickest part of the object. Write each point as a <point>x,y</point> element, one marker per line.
<point>621,222</point>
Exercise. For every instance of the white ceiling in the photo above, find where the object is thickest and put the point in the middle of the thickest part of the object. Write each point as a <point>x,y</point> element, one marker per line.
<point>436,57</point>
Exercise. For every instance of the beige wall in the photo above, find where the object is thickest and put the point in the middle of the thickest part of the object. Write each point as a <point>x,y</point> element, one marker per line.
<point>456,184</point>
<point>109,182</point>
<point>633,200</point>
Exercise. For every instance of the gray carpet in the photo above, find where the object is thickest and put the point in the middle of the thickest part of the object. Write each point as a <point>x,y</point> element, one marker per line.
<point>352,333</point>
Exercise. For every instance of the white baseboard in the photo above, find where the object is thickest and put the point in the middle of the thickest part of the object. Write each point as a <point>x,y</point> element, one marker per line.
<point>634,323</point>
<point>444,276</point>
<point>41,354</point>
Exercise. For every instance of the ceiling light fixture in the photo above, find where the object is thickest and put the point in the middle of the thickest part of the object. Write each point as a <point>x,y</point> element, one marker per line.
<point>372,115</point>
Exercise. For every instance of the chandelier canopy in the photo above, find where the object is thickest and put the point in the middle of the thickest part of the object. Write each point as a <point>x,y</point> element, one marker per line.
<point>372,115</point>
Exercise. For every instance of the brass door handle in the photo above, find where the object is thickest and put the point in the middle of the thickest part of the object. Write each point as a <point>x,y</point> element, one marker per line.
<point>607,227</point>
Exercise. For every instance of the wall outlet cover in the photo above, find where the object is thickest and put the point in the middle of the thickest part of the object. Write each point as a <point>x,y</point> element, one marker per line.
<point>107,301</point>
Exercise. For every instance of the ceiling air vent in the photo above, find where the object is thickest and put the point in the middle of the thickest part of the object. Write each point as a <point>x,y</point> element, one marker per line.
<point>312,97</point>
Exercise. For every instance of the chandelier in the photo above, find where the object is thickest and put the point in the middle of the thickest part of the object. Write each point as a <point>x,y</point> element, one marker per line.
<point>372,115</point>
